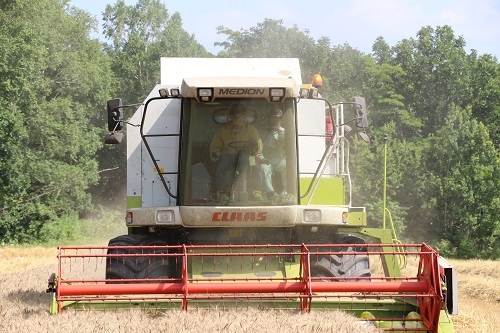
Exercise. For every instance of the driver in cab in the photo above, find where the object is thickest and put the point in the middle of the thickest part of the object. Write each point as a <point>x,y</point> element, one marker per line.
<point>232,146</point>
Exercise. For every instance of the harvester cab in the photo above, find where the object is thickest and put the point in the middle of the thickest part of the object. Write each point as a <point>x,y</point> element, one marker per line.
<point>239,190</point>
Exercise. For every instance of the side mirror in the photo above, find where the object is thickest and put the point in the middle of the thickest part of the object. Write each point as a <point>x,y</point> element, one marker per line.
<point>113,138</point>
<point>361,112</point>
<point>115,114</point>
<point>364,137</point>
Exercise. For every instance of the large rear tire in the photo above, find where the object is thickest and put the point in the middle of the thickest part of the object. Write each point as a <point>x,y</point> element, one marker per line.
<point>139,267</point>
<point>356,266</point>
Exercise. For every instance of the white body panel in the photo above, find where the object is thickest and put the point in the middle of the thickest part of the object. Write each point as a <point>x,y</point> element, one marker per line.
<point>311,130</point>
<point>142,179</point>
<point>222,216</point>
<point>173,70</point>
<point>164,118</point>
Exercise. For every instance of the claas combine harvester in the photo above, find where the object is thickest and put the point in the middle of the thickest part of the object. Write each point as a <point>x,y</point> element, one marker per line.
<point>254,228</point>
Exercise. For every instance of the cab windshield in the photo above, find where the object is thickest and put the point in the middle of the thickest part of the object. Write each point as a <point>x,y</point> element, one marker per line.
<point>239,152</point>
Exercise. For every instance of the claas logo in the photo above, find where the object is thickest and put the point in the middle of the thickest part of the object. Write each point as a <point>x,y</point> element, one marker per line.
<point>239,216</point>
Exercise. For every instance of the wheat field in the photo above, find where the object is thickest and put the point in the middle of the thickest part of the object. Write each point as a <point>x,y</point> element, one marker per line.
<point>24,305</point>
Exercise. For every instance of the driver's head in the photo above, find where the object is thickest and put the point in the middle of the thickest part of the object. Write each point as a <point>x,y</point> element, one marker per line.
<point>274,117</point>
<point>237,116</point>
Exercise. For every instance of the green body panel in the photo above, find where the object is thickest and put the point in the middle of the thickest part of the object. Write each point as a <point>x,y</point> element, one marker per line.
<point>357,218</point>
<point>244,267</point>
<point>383,308</point>
<point>445,323</point>
<point>134,202</point>
<point>330,191</point>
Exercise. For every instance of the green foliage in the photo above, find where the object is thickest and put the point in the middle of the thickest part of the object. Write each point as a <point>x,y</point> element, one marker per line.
<point>51,80</point>
<point>437,75</point>
<point>22,223</point>
<point>382,91</point>
<point>341,67</point>
<point>464,179</point>
<point>71,230</point>
<point>442,163</point>
<point>12,160</point>
<point>140,35</point>
<point>433,106</point>
<point>368,176</point>
<point>485,86</point>
<point>269,39</point>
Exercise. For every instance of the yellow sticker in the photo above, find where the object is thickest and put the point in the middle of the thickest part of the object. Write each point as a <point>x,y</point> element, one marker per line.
<point>235,233</point>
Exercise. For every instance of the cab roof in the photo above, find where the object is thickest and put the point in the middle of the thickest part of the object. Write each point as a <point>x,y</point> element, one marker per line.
<point>239,87</point>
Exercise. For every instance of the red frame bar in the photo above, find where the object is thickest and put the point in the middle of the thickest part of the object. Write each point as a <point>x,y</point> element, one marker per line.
<point>425,286</point>
<point>243,288</point>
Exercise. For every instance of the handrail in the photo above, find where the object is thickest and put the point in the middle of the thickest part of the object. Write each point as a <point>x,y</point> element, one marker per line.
<point>148,148</point>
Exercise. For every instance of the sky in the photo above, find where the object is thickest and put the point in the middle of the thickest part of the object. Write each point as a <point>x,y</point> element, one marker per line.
<point>356,22</point>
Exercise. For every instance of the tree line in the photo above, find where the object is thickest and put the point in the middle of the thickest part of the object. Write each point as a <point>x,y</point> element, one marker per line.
<point>434,105</point>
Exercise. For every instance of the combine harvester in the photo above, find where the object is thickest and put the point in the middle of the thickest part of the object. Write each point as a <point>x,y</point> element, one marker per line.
<point>214,226</point>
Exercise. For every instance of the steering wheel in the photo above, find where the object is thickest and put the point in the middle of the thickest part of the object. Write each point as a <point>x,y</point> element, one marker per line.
<point>243,145</point>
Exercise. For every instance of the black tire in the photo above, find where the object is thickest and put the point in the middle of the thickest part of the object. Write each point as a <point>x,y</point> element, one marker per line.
<point>140,267</point>
<point>342,266</point>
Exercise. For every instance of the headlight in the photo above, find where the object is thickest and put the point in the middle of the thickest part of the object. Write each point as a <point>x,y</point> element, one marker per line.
<point>277,94</point>
<point>163,93</point>
<point>303,92</point>
<point>345,217</point>
<point>314,93</point>
<point>312,215</point>
<point>165,217</point>
<point>205,94</point>
<point>175,92</point>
